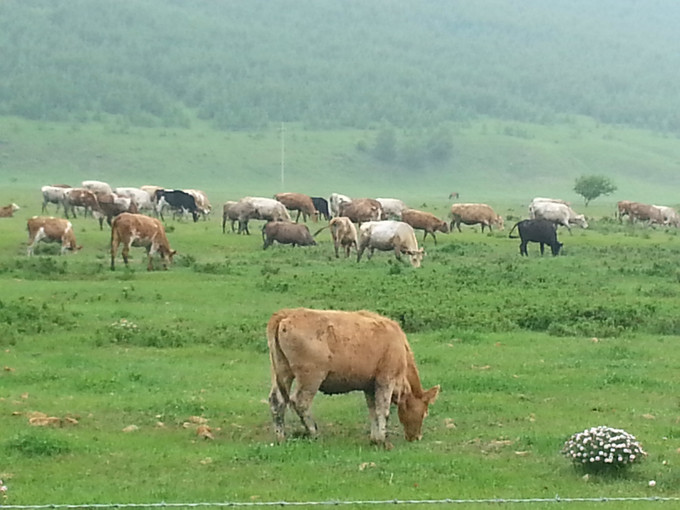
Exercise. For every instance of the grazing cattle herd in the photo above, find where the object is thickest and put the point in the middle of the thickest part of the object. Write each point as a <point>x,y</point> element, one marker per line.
<point>320,350</point>
<point>384,224</point>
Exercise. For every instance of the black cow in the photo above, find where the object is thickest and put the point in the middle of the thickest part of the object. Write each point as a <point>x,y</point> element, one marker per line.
<point>321,205</point>
<point>537,231</point>
<point>178,201</point>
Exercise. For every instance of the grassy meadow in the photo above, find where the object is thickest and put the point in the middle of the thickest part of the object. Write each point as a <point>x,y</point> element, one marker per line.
<point>527,350</point>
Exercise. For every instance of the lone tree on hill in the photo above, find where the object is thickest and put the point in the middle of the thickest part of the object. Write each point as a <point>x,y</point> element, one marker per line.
<point>592,186</point>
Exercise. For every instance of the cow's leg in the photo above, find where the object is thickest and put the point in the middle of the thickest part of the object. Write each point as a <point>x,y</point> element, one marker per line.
<point>301,401</point>
<point>523,248</point>
<point>360,251</point>
<point>372,415</point>
<point>150,252</point>
<point>383,399</point>
<point>434,237</point>
<point>336,245</point>
<point>298,216</point>
<point>542,245</point>
<point>397,252</point>
<point>125,252</point>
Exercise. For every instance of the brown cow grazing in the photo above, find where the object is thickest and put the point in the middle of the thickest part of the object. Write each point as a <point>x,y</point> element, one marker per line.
<point>138,230</point>
<point>50,229</point>
<point>644,212</point>
<point>472,214</point>
<point>111,205</point>
<point>299,202</point>
<point>79,197</point>
<point>360,210</point>
<point>286,232</point>
<point>421,220</point>
<point>339,352</point>
<point>8,211</point>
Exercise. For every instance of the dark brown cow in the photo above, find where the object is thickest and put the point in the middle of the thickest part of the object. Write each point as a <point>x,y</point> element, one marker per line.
<point>286,232</point>
<point>138,230</point>
<point>111,205</point>
<point>50,229</point>
<point>339,352</point>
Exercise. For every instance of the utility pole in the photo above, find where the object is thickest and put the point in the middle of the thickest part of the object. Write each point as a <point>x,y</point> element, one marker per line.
<point>283,157</point>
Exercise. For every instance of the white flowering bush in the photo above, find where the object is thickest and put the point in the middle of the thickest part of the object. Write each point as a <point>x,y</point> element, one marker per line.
<point>123,331</point>
<point>603,448</point>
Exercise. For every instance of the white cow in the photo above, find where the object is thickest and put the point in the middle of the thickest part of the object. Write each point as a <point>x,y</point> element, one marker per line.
<point>559,214</point>
<point>669,215</point>
<point>392,207</point>
<point>97,186</point>
<point>259,208</point>
<point>335,201</point>
<point>52,195</point>
<point>140,197</point>
<point>390,235</point>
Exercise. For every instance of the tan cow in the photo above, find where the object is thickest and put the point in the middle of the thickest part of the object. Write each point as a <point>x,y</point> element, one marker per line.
<point>344,234</point>
<point>421,220</point>
<point>229,212</point>
<point>387,236</point>
<point>50,229</point>
<point>472,214</point>
<point>360,210</point>
<point>299,202</point>
<point>202,202</point>
<point>623,208</point>
<point>138,230</point>
<point>339,352</point>
<point>8,211</point>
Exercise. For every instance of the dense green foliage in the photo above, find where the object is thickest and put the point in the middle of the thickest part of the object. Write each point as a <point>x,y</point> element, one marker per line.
<point>351,63</point>
<point>528,350</point>
<point>592,186</point>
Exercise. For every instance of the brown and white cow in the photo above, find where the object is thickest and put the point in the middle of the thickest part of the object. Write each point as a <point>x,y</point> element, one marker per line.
<point>139,230</point>
<point>339,352</point>
<point>111,205</point>
<point>623,209</point>
<point>360,210</point>
<point>79,197</point>
<point>50,229</point>
<point>390,235</point>
<point>421,220</point>
<point>473,214</point>
<point>7,211</point>
<point>645,212</point>
<point>299,202</point>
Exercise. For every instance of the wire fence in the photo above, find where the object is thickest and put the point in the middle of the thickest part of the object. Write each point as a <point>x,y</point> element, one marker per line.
<point>446,501</point>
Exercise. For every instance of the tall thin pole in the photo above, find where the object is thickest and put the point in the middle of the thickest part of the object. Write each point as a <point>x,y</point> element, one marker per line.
<point>283,157</point>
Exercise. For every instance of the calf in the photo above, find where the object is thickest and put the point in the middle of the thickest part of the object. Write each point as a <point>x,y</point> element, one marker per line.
<point>285,232</point>
<point>8,211</point>
<point>138,230</point>
<point>49,229</point>
<point>537,231</point>
<point>229,212</point>
<point>421,220</point>
<point>390,235</point>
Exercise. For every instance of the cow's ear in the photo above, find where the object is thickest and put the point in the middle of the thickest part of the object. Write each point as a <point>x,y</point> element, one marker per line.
<point>431,394</point>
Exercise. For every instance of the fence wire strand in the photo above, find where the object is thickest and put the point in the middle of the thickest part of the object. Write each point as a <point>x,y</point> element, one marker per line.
<point>446,501</point>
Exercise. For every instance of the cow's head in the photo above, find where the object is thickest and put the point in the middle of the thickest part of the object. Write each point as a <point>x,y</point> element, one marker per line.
<point>500,224</point>
<point>443,227</point>
<point>416,256</point>
<point>580,220</point>
<point>413,410</point>
<point>555,247</point>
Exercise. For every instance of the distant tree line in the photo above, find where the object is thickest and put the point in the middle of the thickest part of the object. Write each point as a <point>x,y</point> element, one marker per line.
<point>337,64</point>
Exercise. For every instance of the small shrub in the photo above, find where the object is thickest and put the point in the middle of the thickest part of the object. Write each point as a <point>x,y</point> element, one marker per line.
<point>603,449</point>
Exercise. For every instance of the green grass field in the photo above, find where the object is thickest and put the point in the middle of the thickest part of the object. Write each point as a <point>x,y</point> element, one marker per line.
<point>527,350</point>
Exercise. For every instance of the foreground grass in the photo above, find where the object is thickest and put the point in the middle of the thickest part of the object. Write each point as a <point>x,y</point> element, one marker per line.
<point>527,350</point>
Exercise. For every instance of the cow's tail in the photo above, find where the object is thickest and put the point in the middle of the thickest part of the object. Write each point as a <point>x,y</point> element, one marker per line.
<point>320,230</point>
<point>512,230</point>
<point>276,355</point>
